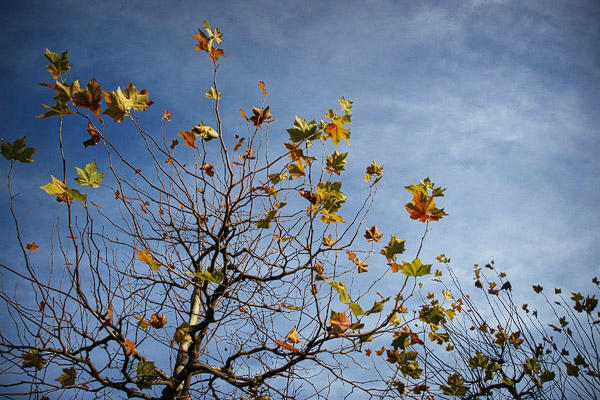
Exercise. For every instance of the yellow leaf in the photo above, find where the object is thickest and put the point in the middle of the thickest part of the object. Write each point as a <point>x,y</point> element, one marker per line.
<point>292,336</point>
<point>261,85</point>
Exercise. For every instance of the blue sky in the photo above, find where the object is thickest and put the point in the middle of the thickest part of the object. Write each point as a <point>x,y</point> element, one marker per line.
<point>495,100</point>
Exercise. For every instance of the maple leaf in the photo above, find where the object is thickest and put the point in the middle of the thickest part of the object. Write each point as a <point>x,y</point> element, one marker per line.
<point>215,54</point>
<point>142,323</point>
<point>336,162</point>
<point>121,102</point>
<point>328,241</point>
<point>189,138</point>
<point>32,246</point>
<point>422,207</point>
<point>167,115</point>
<point>213,94</point>
<point>303,130</point>
<point>339,323</point>
<point>89,176</point>
<point>202,41</point>
<point>158,321</point>
<point>58,64</point>
<point>261,85</point>
<point>183,333</point>
<point>373,170</point>
<point>17,150</point>
<point>286,346</point>
<point>261,116</point>
<point>292,336</point>
<point>146,374</point>
<point>395,246</point>
<point>362,266</point>
<point>34,359</point>
<point>67,378</point>
<point>373,234</point>
<point>94,136</point>
<point>209,169</point>
<point>129,347</point>
<point>205,132</point>
<point>145,257</point>
<point>90,98</point>
<point>174,144</point>
<point>337,131</point>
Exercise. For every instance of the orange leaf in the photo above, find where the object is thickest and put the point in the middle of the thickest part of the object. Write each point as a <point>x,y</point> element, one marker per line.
<point>94,136</point>
<point>339,323</point>
<point>202,41</point>
<point>189,138</point>
<point>243,114</point>
<point>129,347</point>
<point>209,169</point>
<point>286,346</point>
<point>167,115</point>
<point>261,85</point>
<point>292,336</point>
<point>422,207</point>
<point>32,246</point>
<point>215,54</point>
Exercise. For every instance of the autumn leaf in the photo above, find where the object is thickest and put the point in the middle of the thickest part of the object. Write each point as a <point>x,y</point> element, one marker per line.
<point>336,162</point>
<point>17,150</point>
<point>67,378</point>
<point>121,102</point>
<point>416,268</point>
<point>58,64</point>
<point>32,246</point>
<point>189,138</point>
<point>395,246</point>
<point>174,144</point>
<point>57,187</point>
<point>373,234</point>
<point>328,241</point>
<point>286,346</point>
<point>209,169</point>
<point>145,257</point>
<point>158,321</point>
<point>205,132</point>
<point>422,207</point>
<point>34,359</point>
<point>339,323</point>
<point>215,54</point>
<point>362,266</point>
<point>183,333</point>
<point>303,130</point>
<point>292,336</point>
<point>129,347</point>
<point>537,288</point>
<point>213,94</point>
<point>142,323</point>
<point>261,85</point>
<point>337,131</point>
<point>167,115</point>
<point>261,116</point>
<point>202,41</point>
<point>146,374</point>
<point>90,98</point>
<point>94,136</point>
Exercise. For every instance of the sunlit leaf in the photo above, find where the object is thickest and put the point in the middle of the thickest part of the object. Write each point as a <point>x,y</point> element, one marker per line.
<point>145,257</point>
<point>213,94</point>
<point>32,246</point>
<point>205,132</point>
<point>158,321</point>
<point>190,139</point>
<point>167,115</point>
<point>303,130</point>
<point>89,176</point>
<point>339,323</point>
<point>394,247</point>
<point>422,208</point>
<point>261,116</point>
<point>183,333</point>
<point>261,85</point>
<point>336,162</point>
<point>94,136</point>
<point>142,323</point>
<point>90,98</point>
<point>292,336</point>
<point>216,276</point>
<point>373,234</point>
<point>129,347</point>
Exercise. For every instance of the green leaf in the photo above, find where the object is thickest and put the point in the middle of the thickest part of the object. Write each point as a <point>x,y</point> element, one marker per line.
<point>145,257</point>
<point>340,288</point>
<point>89,176</point>
<point>58,64</point>
<point>34,359</point>
<point>346,105</point>
<point>478,360</point>
<point>265,223</point>
<point>330,196</point>
<point>336,162</point>
<point>205,132</point>
<point>146,374</point>
<point>120,103</point>
<point>395,246</point>
<point>215,276</point>
<point>67,378</point>
<point>213,94</point>
<point>57,187</point>
<point>377,306</point>
<point>416,268</point>
<point>303,130</point>
<point>356,309</point>
<point>64,92</point>
<point>456,386</point>
<point>17,151</point>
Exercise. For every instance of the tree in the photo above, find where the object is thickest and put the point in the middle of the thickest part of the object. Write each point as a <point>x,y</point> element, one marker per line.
<point>209,267</point>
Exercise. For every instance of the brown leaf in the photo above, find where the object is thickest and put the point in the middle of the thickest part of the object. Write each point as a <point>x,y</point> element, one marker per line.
<point>261,116</point>
<point>32,246</point>
<point>174,144</point>
<point>158,321</point>
<point>339,323</point>
<point>129,347</point>
<point>372,234</point>
<point>189,138</point>
<point>215,54</point>
<point>308,195</point>
<point>209,169</point>
<point>167,115</point>
<point>94,136</point>
<point>286,346</point>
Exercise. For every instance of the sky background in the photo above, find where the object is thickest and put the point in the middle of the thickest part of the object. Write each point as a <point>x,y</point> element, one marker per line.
<point>498,101</point>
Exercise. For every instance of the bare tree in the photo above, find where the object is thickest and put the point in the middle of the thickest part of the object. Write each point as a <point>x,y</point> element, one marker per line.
<point>208,265</point>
